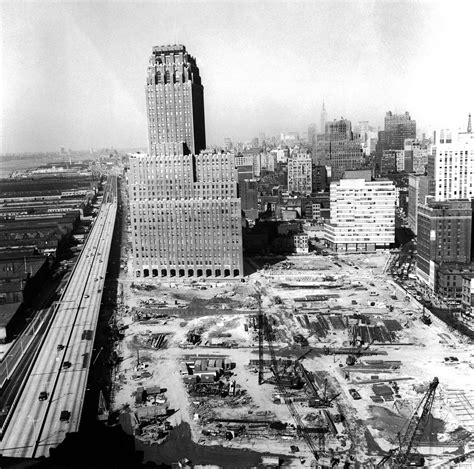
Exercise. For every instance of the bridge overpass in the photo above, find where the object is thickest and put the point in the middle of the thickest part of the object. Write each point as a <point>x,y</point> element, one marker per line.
<point>61,365</point>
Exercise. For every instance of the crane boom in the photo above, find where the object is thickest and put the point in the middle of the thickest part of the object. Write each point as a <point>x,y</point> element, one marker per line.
<point>300,428</point>
<point>411,437</point>
<point>417,424</point>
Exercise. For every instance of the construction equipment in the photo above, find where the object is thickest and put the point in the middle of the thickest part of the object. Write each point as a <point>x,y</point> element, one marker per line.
<point>260,341</point>
<point>425,317</point>
<point>403,456</point>
<point>263,331</point>
<point>300,428</point>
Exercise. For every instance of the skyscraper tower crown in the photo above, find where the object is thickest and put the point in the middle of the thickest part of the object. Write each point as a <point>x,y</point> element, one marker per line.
<point>175,99</point>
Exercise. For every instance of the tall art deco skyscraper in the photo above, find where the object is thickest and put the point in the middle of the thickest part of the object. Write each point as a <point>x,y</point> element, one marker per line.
<point>184,209</point>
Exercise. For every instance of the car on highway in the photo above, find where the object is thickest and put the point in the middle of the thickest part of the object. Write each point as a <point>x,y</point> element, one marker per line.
<point>66,365</point>
<point>65,416</point>
<point>43,395</point>
<point>355,395</point>
<point>86,296</point>
<point>60,347</point>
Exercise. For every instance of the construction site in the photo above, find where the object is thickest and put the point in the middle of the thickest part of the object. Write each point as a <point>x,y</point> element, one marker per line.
<point>313,361</point>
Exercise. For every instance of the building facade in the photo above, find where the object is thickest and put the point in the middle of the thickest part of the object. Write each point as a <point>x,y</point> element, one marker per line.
<point>362,215</point>
<point>185,214</point>
<point>300,173</point>
<point>416,156</point>
<point>319,178</point>
<point>419,187</point>
<point>453,157</point>
<point>397,128</point>
<point>184,207</point>
<point>444,235</point>
<point>174,99</point>
<point>338,148</point>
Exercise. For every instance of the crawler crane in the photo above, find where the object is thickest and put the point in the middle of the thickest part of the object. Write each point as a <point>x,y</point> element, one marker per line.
<point>263,332</point>
<point>403,456</point>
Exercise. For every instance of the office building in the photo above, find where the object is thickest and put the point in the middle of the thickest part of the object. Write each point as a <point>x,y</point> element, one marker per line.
<point>362,215</point>
<point>453,160</point>
<point>416,156</point>
<point>367,136</point>
<point>319,179</point>
<point>248,191</point>
<point>419,188</point>
<point>268,161</point>
<point>444,235</point>
<point>184,207</point>
<point>338,148</point>
<point>390,162</point>
<point>300,173</point>
<point>397,128</point>
<point>185,214</point>
<point>174,99</point>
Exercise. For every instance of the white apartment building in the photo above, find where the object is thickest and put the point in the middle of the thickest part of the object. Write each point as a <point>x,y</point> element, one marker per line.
<point>300,243</point>
<point>300,173</point>
<point>454,165</point>
<point>362,216</point>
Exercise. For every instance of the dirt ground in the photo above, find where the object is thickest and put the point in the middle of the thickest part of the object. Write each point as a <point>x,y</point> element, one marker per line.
<point>325,301</point>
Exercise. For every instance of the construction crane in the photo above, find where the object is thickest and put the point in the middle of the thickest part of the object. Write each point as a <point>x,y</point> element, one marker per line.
<point>260,339</point>
<point>300,428</point>
<point>403,456</point>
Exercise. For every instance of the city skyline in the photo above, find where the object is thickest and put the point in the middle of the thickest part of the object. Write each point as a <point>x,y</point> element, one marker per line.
<point>71,72</point>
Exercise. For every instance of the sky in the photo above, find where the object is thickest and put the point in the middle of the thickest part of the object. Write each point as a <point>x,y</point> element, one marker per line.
<point>73,73</point>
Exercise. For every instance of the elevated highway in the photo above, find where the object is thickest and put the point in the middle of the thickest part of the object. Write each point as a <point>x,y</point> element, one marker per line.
<point>61,366</point>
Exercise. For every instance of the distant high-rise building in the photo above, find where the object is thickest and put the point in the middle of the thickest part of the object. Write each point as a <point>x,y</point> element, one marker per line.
<point>338,148</point>
<point>362,215</point>
<point>228,144</point>
<point>453,160</point>
<point>320,178</point>
<point>268,161</point>
<point>323,119</point>
<point>248,191</point>
<point>367,136</point>
<point>444,235</point>
<point>299,173</point>
<point>175,99</point>
<point>416,156</point>
<point>391,161</point>
<point>419,188</point>
<point>184,208</point>
<point>398,127</point>
<point>312,136</point>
